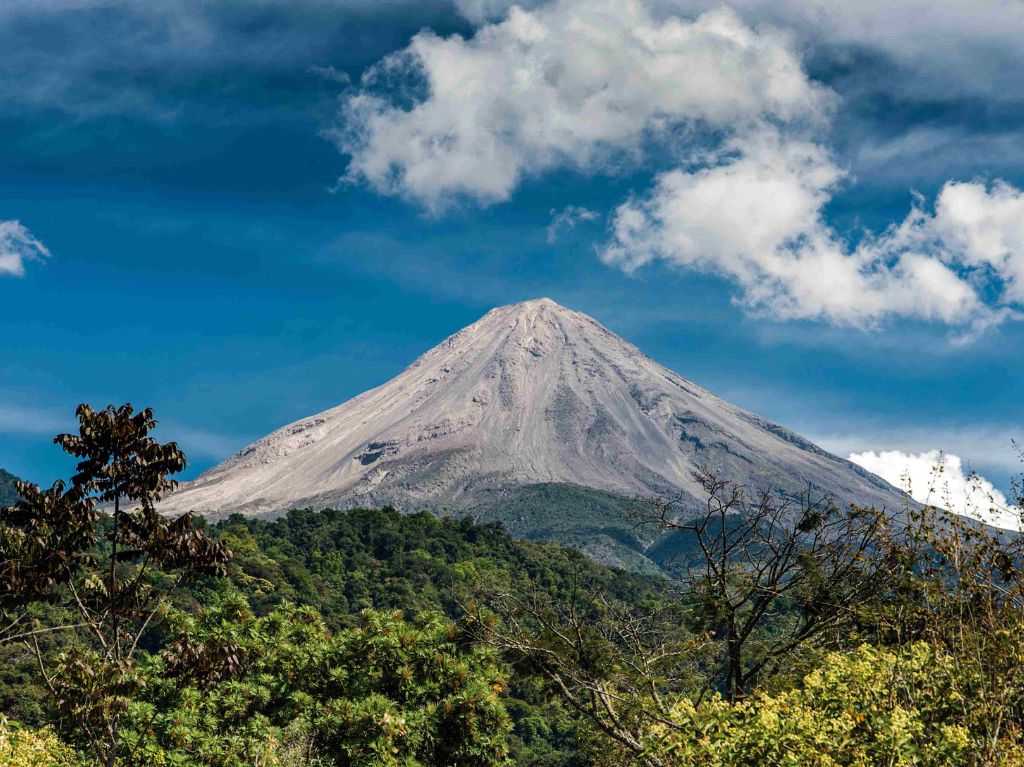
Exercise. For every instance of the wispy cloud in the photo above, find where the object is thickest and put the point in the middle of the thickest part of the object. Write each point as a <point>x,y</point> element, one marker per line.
<point>29,421</point>
<point>567,218</point>
<point>926,152</point>
<point>18,247</point>
<point>331,74</point>
<point>202,443</point>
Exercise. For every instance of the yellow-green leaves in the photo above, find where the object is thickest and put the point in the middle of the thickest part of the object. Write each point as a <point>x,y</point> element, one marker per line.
<point>22,747</point>
<point>861,708</point>
<point>233,690</point>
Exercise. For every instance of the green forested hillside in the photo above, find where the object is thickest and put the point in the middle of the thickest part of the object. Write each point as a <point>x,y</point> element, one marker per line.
<point>323,629</point>
<point>602,525</point>
<point>8,493</point>
<point>342,562</point>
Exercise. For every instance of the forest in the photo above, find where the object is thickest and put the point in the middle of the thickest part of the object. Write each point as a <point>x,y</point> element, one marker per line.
<point>788,631</point>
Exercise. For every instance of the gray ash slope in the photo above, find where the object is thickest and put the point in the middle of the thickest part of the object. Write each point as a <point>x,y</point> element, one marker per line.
<point>531,396</point>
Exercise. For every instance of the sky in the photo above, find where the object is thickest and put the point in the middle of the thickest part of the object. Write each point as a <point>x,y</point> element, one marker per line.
<point>242,213</point>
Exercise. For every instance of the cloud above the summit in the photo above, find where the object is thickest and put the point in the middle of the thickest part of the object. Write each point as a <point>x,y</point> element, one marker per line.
<point>926,50</point>
<point>729,107</point>
<point>585,85</point>
<point>756,216</point>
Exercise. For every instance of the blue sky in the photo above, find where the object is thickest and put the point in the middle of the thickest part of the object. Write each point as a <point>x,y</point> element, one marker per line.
<point>238,215</point>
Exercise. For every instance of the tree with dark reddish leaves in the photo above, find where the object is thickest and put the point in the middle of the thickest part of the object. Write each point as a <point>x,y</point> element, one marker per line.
<point>46,538</point>
<point>109,574</point>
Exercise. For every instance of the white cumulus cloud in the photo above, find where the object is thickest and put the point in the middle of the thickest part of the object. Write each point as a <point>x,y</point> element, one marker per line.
<point>578,84</point>
<point>939,479</point>
<point>755,214</point>
<point>930,50</point>
<point>17,247</point>
<point>983,227</point>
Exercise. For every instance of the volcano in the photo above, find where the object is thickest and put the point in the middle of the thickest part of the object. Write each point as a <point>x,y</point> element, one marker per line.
<point>530,416</point>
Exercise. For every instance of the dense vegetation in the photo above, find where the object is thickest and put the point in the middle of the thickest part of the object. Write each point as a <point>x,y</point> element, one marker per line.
<point>793,633</point>
<point>595,522</point>
<point>342,564</point>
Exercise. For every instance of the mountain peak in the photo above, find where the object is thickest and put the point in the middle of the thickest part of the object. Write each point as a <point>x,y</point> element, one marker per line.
<point>534,307</point>
<point>538,302</point>
<point>535,327</point>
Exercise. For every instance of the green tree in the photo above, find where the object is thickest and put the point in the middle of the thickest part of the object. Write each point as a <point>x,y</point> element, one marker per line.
<point>860,708</point>
<point>236,690</point>
<point>110,575</point>
<point>772,574</point>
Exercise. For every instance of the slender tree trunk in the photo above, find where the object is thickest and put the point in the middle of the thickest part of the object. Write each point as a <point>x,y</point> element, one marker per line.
<point>112,596</point>
<point>733,662</point>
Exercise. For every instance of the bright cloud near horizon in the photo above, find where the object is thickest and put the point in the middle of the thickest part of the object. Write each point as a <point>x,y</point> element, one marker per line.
<point>939,479</point>
<point>817,205</point>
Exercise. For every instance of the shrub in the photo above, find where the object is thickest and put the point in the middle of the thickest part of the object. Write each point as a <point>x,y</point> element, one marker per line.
<point>23,747</point>
<point>860,708</point>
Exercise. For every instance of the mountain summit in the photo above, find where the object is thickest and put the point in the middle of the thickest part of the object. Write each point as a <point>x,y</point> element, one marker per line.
<point>533,395</point>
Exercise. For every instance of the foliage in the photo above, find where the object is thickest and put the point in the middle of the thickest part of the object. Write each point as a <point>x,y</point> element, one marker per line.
<point>23,747</point>
<point>50,550</point>
<point>235,690</point>
<point>343,562</point>
<point>959,586</point>
<point>46,539</point>
<point>609,661</point>
<point>861,708</point>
